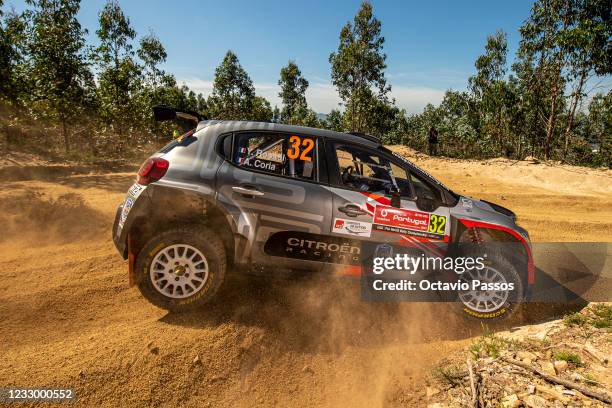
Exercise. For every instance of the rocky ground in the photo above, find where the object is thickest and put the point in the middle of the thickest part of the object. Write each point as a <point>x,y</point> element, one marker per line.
<point>561,363</point>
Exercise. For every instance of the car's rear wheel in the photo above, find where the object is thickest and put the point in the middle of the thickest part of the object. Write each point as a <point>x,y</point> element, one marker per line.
<point>182,268</point>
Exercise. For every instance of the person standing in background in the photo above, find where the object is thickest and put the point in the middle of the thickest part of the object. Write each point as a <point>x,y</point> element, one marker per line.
<point>433,141</point>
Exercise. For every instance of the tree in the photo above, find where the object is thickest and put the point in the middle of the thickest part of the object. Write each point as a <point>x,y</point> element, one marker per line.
<point>541,36</point>
<point>357,67</point>
<point>589,51</point>
<point>12,55</point>
<point>334,121</point>
<point>261,110</point>
<point>276,115</point>
<point>600,126</point>
<point>293,91</point>
<point>489,87</point>
<point>119,74</point>
<point>59,69</point>
<point>233,94</point>
<point>491,66</point>
<point>152,53</point>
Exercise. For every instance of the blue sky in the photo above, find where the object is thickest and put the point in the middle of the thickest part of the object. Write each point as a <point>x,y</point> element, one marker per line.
<point>430,45</point>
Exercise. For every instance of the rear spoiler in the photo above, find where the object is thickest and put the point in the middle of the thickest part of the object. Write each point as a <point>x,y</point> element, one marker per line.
<point>162,113</point>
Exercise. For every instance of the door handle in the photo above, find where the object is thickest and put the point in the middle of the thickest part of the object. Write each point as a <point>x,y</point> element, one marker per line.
<point>352,210</point>
<point>247,191</point>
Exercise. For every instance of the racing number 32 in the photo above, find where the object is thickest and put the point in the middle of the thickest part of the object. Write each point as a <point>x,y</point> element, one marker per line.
<point>300,148</point>
<point>436,224</point>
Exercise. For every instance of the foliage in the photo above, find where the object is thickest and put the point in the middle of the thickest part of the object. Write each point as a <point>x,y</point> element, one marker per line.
<point>293,92</point>
<point>569,357</point>
<point>538,104</point>
<point>574,319</point>
<point>233,93</point>
<point>357,68</point>
<point>61,82</point>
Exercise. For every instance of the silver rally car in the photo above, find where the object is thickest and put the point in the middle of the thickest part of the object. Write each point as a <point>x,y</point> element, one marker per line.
<point>274,197</point>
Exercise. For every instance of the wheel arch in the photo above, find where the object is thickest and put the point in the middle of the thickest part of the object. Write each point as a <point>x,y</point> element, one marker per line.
<point>478,232</point>
<point>168,207</point>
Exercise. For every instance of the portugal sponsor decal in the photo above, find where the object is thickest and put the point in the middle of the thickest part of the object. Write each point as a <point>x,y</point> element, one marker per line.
<point>352,227</point>
<point>417,223</point>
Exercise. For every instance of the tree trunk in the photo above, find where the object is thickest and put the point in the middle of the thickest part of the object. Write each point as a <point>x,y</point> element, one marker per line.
<point>66,136</point>
<point>500,134</point>
<point>552,121</point>
<point>570,122</point>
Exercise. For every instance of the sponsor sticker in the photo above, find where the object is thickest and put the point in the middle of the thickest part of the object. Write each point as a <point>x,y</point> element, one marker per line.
<point>467,203</point>
<point>397,217</point>
<point>132,195</point>
<point>402,221</point>
<point>127,206</point>
<point>352,227</point>
<point>314,247</point>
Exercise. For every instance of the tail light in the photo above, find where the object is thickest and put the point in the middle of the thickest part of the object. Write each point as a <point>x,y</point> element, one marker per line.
<point>152,170</point>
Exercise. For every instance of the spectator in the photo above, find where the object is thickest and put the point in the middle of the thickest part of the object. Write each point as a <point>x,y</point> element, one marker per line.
<point>433,141</point>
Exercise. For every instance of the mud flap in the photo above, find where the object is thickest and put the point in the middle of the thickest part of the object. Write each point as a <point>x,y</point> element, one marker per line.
<point>131,261</point>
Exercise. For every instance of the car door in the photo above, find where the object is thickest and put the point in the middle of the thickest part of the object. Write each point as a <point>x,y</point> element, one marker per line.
<point>271,187</point>
<point>365,183</point>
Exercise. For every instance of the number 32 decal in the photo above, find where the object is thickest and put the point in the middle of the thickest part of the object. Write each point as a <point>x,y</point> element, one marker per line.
<point>300,148</point>
<point>437,223</point>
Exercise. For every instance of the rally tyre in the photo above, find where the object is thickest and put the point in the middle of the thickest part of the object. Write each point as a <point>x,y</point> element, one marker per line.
<point>181,269</point>
<point>492,305</point>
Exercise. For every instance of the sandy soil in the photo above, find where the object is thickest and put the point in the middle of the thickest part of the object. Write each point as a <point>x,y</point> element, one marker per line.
<point>68,317</point>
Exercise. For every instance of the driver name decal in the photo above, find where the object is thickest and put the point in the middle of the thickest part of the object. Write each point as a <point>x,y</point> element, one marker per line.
<point>409,222</point>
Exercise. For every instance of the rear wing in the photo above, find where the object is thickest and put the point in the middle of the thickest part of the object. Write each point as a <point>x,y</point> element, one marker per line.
<point>162,113</point>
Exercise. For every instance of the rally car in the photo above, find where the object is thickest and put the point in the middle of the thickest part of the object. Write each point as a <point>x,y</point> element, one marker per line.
<point>273,197</point>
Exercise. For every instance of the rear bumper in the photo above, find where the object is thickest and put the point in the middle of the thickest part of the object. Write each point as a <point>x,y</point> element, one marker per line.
<point>122,240</point>
<point>119,238</point>
<point>133,208</point>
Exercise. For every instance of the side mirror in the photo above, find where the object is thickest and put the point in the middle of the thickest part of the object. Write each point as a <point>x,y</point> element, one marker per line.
<point>396,200</point>
<point>427,204</point>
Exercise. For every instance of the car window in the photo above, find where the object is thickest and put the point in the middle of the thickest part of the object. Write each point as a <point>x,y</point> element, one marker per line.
<point>422,189</point>
<point>366,171</point>
<point>280,154</point>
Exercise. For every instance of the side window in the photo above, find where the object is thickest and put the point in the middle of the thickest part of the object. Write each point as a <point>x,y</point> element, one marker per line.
<point>366,171</point>
<point>280,154</point>
<point>422,189</point>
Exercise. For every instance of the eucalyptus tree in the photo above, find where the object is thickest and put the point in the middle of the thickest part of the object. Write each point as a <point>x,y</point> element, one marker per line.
<point>293,92</point>
<point>233,95</point>
<point>60,74</point>
<point>358,65</point>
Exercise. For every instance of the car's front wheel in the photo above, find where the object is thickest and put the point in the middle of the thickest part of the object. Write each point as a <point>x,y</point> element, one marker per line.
<point>182,268</point>
<point>495,291</point>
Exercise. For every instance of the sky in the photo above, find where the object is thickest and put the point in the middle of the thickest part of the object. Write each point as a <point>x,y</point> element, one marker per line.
<point>431,46</point>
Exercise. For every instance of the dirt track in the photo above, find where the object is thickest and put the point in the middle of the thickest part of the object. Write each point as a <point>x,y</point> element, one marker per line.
<point>68,318</point>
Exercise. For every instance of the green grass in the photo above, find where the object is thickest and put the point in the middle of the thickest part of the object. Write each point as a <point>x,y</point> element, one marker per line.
<point>450,374</point>
<point>603,316</point>
<point>569,357</point>
<point>575,319</point>
<point>489,345</point>
<point>589,379</point>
